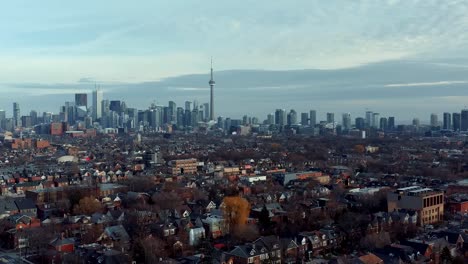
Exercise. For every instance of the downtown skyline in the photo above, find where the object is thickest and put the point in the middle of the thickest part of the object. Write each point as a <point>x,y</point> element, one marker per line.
<point>270,55</point>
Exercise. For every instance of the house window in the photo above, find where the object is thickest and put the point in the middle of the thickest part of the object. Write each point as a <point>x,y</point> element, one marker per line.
<point>172,231</point>
<point>166,232</point>
<point>250,260</point>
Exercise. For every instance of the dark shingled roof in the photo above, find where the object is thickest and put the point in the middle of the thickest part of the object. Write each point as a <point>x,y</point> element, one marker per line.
<point>25,204</point>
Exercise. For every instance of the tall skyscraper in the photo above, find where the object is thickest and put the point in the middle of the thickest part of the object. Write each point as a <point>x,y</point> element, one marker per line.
<point>97,103</point>
<point>304,119</point>
<point>212,84</point>
<point>384,123</point>
<point>292,117</point>
<point>270,119</point>
<point>369,119</point>
<point>81,99</point>
<point>116,106</point>
<point>33,115</point>
<point>206,111</point>
<point>172,115</point>
<point>16,115</point>
<point>280,117</point>
<point>180,117</point>
<point>391,123</point>
<point>434,120</point>
<point>188,105</point>
<point>2,118</point>
<point>330,118</point>
<point>464,120</point>
<point>312,118</point>
<point>375,123</point>
<point>447,121</point>
<point>360,123</point>
<point>456,121</point>
<point>346,121</point>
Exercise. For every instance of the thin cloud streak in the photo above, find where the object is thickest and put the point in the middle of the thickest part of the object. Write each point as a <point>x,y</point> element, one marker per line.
<point>441,83</point>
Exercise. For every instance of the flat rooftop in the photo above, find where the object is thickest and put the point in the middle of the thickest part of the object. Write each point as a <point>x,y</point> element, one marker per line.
<point>416,191</point>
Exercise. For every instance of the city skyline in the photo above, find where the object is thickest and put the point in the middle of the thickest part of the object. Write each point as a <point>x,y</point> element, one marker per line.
<point>419,108</point>
<point>397,56</point>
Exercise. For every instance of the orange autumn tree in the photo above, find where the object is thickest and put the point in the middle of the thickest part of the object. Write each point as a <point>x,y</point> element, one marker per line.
<point>236,210</point>
<point>87,206</point>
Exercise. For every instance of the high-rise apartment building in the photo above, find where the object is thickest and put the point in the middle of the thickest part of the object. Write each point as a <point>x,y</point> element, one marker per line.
<point>81,99</point>
<point>292,117</point>
<point>312,118</point>
<point>447,121</point>
<point>97,103</point>
<point>2,118</point>
<point>115,106</point>
<point>391,123</point>
<point>280,117</point>
<point>188,105</point>
<point>360,123</point>
<point>346,121</point>
<point>206,111</point>
<point>34,119</point>
<point>330,118</point>
<point>304,119</point>
<point>434,120</point>
<point>172,112</point>
<point>384,123</point>
<point>456,121</point>
<point>375,120</point>
<point>16,115</point>
<point>270,119</point>
<point>464,120</point>
<point>369,119</point>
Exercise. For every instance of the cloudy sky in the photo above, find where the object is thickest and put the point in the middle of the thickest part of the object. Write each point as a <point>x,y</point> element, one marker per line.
<point>145,51</point>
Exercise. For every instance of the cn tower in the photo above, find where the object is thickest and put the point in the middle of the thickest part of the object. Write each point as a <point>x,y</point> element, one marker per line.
<point>212,84</point>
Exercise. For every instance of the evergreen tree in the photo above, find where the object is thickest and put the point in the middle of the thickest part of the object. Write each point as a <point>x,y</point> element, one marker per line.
<point>264,220</point>
<point>445,256</point>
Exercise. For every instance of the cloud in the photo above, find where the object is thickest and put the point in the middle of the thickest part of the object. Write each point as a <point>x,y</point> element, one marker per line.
<point>87,80</point>
<point>440,83</point>
<point>188,88</point>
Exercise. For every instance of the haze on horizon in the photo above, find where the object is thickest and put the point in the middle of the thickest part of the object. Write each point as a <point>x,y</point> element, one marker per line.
<point>406,58</point>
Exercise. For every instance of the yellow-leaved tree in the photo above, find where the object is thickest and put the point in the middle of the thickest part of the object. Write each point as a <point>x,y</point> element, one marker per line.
<point>236,210</point>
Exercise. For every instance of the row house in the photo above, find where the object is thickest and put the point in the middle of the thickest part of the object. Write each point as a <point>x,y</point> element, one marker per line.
<point>21,188</point>
<point>383,221</point>
<point>315,242</point>
<point>269,249</point>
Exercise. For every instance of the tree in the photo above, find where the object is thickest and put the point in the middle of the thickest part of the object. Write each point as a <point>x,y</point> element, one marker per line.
<point>264,221</point>
<point>150,250</point>
<point>372,241</point>
<point>92,234</point>
<point>166,200</point>
<point>87,206</point>
<point>359,149</point>
<point>445,256</point>
<point>235,211</point>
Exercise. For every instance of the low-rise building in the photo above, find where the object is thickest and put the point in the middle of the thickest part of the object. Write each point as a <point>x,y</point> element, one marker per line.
<point>428,203</point>
<point>184,166</point>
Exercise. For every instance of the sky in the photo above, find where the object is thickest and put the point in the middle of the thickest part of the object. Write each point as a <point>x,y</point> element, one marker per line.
<point>154,51</point>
